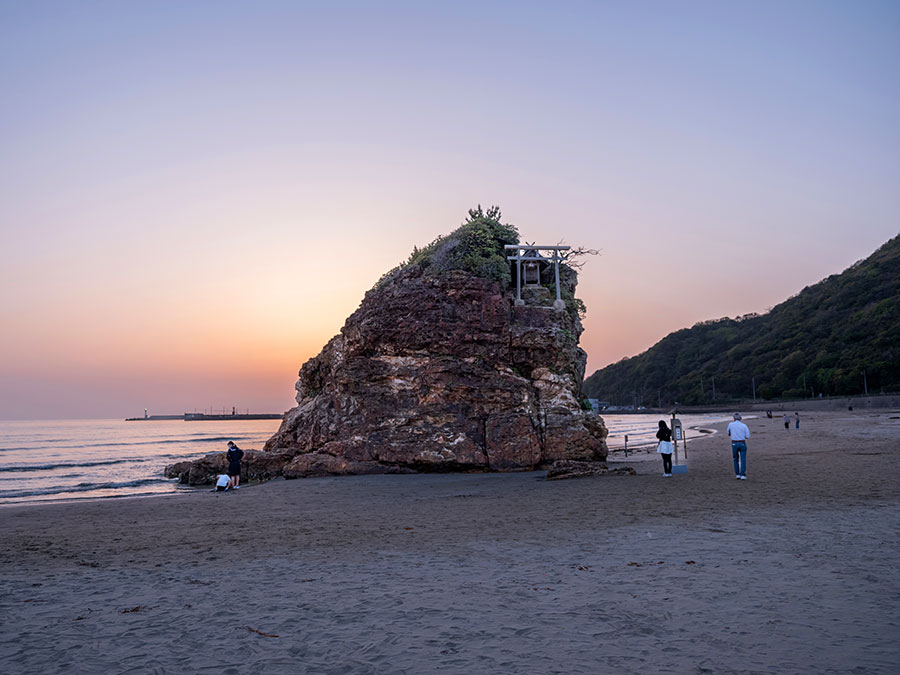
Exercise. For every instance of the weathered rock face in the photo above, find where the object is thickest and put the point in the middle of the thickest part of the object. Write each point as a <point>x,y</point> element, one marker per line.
<point>442,372</point>
<point>439,370</point>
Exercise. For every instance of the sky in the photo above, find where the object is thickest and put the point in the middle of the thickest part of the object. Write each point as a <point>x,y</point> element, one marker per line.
<point>194,196</point>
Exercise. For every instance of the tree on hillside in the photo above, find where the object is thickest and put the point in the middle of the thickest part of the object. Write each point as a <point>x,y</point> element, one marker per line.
<point>840,336</point>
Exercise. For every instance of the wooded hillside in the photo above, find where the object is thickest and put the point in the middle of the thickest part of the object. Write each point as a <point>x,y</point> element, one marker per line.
<point>839,336</point>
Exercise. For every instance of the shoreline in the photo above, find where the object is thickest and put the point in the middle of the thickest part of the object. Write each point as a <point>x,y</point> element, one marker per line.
<point>702,430</point>
<point>640,450</point>
<point>481,572</point>
<point>64,461</point>
<point>100,500</point>
<point>860,403</point>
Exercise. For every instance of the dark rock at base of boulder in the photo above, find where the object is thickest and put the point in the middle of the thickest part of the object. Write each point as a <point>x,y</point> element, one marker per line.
<point>201,471</point>
<point>567,468</point>
<point>321,464</point>
<point>256,465</point>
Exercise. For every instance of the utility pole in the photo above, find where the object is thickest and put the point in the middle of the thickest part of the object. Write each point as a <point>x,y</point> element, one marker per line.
<point>865,384</point>
<point>754,389</point>
<point>714,388</point>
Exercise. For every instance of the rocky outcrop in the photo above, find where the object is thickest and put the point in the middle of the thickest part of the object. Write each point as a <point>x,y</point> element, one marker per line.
<point>256,465</point>
<point>442,373</point>
<point>439,370</point>
<point>567,468</point>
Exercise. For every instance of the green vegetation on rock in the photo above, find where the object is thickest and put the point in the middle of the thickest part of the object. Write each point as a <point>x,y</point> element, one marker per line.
<point>476,247</point>
<point>575,306</point>
<point>840,336</point>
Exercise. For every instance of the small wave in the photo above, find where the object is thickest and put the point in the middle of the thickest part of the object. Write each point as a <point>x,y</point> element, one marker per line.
<point>32,443</point>
<point>193,438</point>
<point>67,465</point>
<point>81,487</point>
<point>163,441</point>
<point>36,478</point>
<point>25,468</point>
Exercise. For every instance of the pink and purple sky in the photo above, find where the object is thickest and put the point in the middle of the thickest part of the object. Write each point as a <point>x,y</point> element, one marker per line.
<point>196,195</point>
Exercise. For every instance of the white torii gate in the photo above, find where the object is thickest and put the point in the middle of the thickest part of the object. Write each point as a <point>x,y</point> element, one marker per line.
<point>532,255</point>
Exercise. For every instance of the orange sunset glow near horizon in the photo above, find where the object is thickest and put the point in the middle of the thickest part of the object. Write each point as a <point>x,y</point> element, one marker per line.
<point>196,197</point>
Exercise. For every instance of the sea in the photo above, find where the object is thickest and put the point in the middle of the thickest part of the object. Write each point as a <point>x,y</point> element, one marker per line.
<point>641,429</point>
<point>65,460</point>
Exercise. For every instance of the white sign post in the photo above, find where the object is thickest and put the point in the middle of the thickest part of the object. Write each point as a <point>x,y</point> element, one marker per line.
<point>678,435</point>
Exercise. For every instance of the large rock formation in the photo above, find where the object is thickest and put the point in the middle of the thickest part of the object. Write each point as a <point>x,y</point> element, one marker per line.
<point>439,370</point>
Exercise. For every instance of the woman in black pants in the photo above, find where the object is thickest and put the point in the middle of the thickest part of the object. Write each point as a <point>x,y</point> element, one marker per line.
<point>233,456</point>
<point>665,447</point>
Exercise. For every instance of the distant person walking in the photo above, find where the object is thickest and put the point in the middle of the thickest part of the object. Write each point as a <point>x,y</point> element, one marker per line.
<point>787,421</point>
<point>739,433</point>
<point>664,447</point>
<point>234,456</point>
<point>796,420</point>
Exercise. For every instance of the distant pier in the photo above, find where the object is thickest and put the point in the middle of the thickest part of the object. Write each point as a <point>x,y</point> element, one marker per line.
<point>204,417</point>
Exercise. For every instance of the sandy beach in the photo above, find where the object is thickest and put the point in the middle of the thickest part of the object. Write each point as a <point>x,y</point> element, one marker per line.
<point>793,570</point>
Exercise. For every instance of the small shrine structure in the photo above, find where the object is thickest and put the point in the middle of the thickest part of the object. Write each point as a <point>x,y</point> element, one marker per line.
<point>531,257</point>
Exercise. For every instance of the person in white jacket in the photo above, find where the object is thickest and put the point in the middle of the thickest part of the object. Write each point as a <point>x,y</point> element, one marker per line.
<point>223,482</point>
<point>739,434</point>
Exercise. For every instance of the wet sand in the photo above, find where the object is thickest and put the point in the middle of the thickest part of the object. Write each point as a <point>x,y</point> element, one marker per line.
<point>793,570</point>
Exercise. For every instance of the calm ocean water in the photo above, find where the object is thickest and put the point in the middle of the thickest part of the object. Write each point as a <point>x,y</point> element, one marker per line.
<point>641,429</point>
<point>89,459</point>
